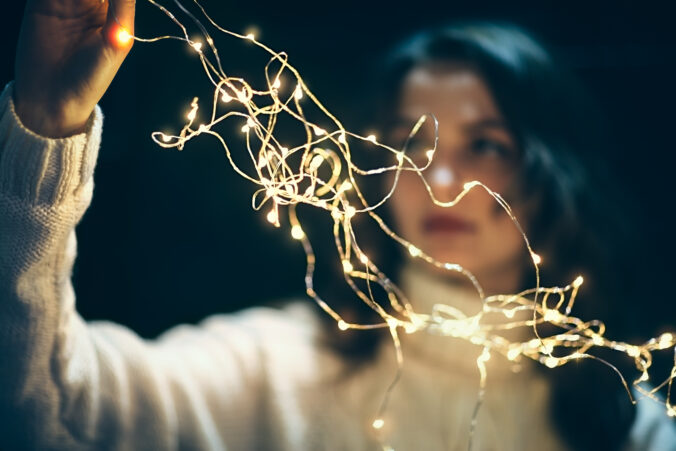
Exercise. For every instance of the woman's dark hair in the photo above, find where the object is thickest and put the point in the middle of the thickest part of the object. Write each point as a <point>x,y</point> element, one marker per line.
<point>576,226</point>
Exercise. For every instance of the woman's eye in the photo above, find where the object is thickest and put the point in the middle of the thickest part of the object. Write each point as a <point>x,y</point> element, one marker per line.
<point>485,146</point>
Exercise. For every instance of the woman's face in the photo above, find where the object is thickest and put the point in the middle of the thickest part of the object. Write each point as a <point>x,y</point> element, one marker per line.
<point>474,144</point>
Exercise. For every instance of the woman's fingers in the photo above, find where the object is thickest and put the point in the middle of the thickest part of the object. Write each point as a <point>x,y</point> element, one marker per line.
<point>121,13</point>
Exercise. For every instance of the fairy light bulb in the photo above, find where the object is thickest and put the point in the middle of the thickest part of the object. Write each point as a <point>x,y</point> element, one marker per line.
<point>297,232</point>
<point>414,251</point>
<point>123,37</point>
<point>298,92</point>
<point>513,353</point>
<point>378,423</point>
<point>551,362</point>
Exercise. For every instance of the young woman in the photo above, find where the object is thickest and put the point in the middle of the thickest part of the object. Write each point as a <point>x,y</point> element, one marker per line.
<point>275,379</point>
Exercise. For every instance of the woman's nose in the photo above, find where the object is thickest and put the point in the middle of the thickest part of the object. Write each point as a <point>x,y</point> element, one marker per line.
<point>444,180</point>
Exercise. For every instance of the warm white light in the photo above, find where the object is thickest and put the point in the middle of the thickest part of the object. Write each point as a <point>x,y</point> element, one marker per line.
<point>123,36</point>
<point>297,232</point>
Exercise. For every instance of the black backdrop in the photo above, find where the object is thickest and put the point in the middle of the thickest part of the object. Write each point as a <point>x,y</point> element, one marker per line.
<point>171,236</point>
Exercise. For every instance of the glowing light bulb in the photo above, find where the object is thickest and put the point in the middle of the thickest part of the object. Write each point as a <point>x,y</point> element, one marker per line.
<point>345,186</point>
<point>410,328</point>
<point>341,138</point>
<point>468,186</point>
<point>536,258</point>
<point>197,46</point>
<point>226,98</point>
<point>378,423</point>
<point>430,154</point>
<point>347,266</point>
<point>666,340</point>
<point>297,232</point>
<point>579,280</point>
<point>250,36</point>
<point>372,138</point>
<point>272,216</point>
<point>350,211</point>
<point>414,251</point>
<point>123,37</point>
<point>317,161</point>
<point>319,131</point>
<point>513,353</point>
<point>277,83</point>
<point>298,92</point>
<point>551,362</point>
<point>552,316</point>
<point>242,96</point>
<point>363,258</point>
<point>342,325</point>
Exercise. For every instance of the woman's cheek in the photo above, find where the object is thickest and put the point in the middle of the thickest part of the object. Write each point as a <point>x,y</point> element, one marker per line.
<point>408,201</point>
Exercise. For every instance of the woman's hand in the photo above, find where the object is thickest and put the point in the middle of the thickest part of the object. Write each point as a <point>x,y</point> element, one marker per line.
<point>68,53</point>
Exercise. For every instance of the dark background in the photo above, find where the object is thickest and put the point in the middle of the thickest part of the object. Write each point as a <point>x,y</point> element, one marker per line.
<point>171,236</point>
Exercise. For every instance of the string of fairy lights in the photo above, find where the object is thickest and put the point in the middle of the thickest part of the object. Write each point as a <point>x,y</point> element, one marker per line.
<point>319,171</point>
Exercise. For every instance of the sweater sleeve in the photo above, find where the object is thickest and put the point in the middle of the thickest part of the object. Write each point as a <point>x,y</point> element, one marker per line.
<point>67,384</point>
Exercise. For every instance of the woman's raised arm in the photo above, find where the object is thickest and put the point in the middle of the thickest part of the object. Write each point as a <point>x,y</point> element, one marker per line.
<point>64,383</point>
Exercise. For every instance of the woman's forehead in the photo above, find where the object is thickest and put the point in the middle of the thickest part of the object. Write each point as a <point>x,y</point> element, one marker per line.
<point>450,91</point>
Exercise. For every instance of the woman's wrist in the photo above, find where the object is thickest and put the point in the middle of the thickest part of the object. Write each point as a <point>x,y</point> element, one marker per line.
<point>49,122</point>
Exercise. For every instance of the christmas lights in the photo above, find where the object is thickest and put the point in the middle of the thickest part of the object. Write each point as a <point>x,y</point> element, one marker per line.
<point>319,171</point>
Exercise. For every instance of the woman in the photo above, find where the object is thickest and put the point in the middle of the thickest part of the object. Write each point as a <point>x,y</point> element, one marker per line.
<point>264,378</point>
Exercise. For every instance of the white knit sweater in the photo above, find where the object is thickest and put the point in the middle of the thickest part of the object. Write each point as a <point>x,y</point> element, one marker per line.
<point>259,379</point>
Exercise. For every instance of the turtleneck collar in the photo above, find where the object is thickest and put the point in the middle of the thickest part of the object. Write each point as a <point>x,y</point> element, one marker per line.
<point>425,289</point>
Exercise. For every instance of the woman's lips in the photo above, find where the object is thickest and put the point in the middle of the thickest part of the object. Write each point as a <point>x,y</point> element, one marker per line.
<point>439,223</point>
